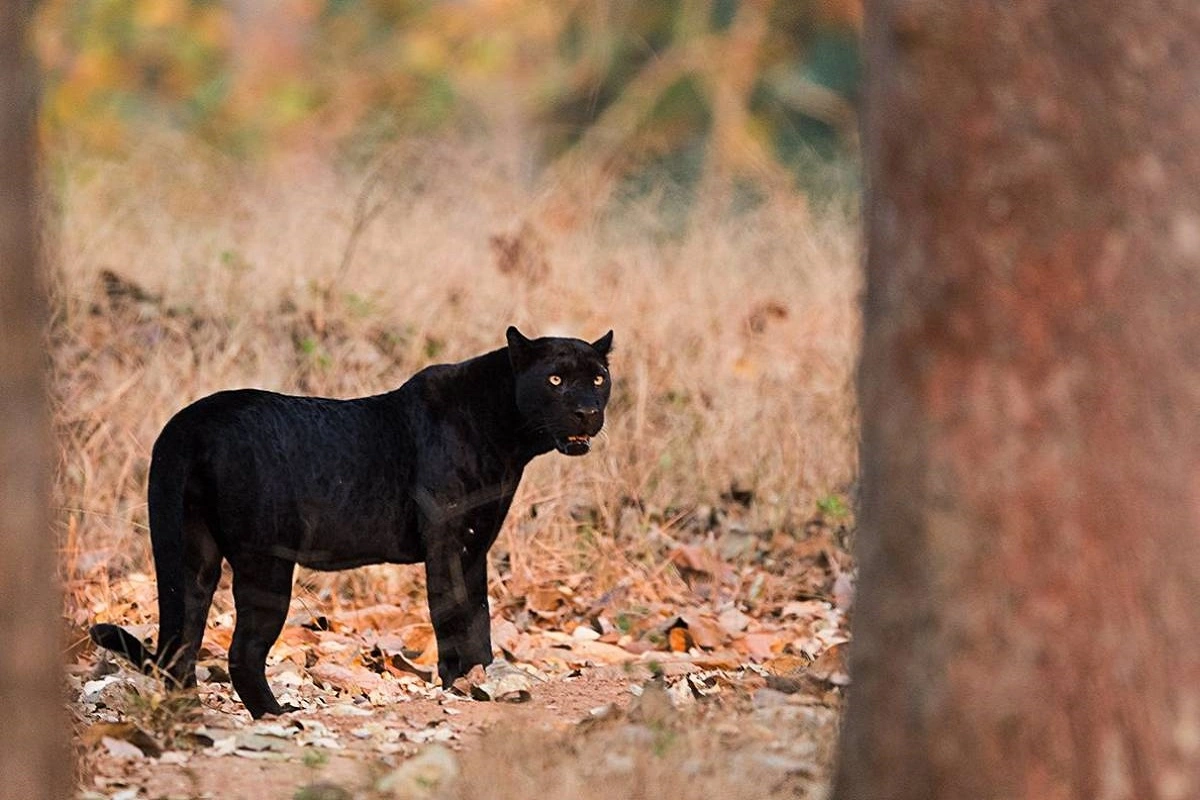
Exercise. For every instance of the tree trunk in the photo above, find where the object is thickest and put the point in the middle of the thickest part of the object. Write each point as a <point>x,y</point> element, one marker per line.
<point>1028,622</point>
<point>33,761</point>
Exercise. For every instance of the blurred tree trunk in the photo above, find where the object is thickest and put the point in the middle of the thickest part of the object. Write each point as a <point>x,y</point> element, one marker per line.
<point>1028,622</point>
<point>33,761</point>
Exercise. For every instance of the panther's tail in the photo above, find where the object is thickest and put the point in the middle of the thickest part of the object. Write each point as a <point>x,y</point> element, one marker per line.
<point>124,643</point>
<point>169,467</point>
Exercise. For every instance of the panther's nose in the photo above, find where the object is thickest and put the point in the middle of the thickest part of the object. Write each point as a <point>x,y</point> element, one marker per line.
<point>587,414</point>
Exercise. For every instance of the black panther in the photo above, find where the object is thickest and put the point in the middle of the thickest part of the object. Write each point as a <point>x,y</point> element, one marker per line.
<point>426,472</point>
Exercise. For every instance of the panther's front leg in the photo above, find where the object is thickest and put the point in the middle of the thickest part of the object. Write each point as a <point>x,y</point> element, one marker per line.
<point>456,580</point>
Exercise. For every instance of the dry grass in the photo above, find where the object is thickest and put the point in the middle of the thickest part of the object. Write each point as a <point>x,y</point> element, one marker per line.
<point>735,343</point>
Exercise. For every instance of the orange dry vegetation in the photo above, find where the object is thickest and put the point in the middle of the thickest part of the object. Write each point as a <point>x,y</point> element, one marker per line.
<point>177,274</point>
<point>689,541</point>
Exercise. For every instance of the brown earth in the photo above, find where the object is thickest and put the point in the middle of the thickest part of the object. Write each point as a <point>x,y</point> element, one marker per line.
<point>600,731</point>
<point>613,698</point>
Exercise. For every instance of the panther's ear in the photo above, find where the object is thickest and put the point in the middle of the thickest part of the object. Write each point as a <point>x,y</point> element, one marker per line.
<point>603,344</point>
<point>518,348</point>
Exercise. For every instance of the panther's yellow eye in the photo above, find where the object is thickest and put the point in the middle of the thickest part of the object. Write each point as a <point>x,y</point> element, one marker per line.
<point>598,380</point>
<point>555,380</point>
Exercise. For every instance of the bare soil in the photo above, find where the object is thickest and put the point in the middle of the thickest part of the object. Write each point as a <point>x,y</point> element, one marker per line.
<point>603,731</point>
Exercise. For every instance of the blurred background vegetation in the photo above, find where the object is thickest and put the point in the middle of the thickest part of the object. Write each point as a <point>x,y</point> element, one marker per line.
<point>720,95</point>
<point>324,196</point>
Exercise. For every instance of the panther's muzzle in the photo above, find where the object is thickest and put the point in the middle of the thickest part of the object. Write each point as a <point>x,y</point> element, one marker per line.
<point>576,445</point>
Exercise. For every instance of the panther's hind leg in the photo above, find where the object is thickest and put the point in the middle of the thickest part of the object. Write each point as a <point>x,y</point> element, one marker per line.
<point>262,589</point>
<point>201,573</point>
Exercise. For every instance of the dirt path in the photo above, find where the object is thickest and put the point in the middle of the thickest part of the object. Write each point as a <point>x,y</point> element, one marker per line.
<point>578,736</point>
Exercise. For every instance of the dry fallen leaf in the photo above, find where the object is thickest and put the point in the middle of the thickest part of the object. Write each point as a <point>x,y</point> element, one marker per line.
<point>420,644</point>
<point>705,631</point>
<point>678,639</point>
<point>786,665</point>
<point>502,683</point>
<point>580,652</point>
<point>733,621</point>
<point>505,634</point>
<point>381,618</point>
<point>345,679</point>
<point>217,641</point>
<point>725,660</point>
<point>831,666</point>
<point>399,665</point>
<point>759,645</point>
<point>545,601</point>
<point>696,559</point>
<point>463,684</point>
<point>124,732</point>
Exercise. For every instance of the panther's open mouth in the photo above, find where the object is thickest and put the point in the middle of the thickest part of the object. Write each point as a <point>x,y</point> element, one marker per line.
<point>574,445</point>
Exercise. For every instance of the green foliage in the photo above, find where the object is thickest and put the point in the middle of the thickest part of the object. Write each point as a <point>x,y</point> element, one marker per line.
<point>322,791</point>
<point>833,507</point>
<point>315,757</point>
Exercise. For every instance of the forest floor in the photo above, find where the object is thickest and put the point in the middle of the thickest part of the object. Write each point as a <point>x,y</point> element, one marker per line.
<point>588,736</point>
<point>746,704</point>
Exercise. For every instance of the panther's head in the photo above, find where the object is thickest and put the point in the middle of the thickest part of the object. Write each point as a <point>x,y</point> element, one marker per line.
<point>562,387</point>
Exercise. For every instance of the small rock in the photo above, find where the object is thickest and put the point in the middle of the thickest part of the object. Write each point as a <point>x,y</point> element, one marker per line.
<point>274,729</point>
<point>257,743</point>
<point>119,748</point>
<point>585,633</point>
<point>780,763</point>
<point>426,775</point>
<point>606,711</point>
<point>654,706</point>
<point>434,733</point>
<point>223,747</point>
<point>769,698</point>
<point>348,710</point>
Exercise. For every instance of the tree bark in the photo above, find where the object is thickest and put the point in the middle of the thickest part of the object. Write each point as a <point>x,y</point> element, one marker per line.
<point>33,761</point>
<point>1028,622</point>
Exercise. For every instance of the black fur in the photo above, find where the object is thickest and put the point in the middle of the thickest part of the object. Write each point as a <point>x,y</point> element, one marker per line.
<point>423,473</point>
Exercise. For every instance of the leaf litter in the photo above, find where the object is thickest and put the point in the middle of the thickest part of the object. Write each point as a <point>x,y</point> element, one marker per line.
<point>737,638</point>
